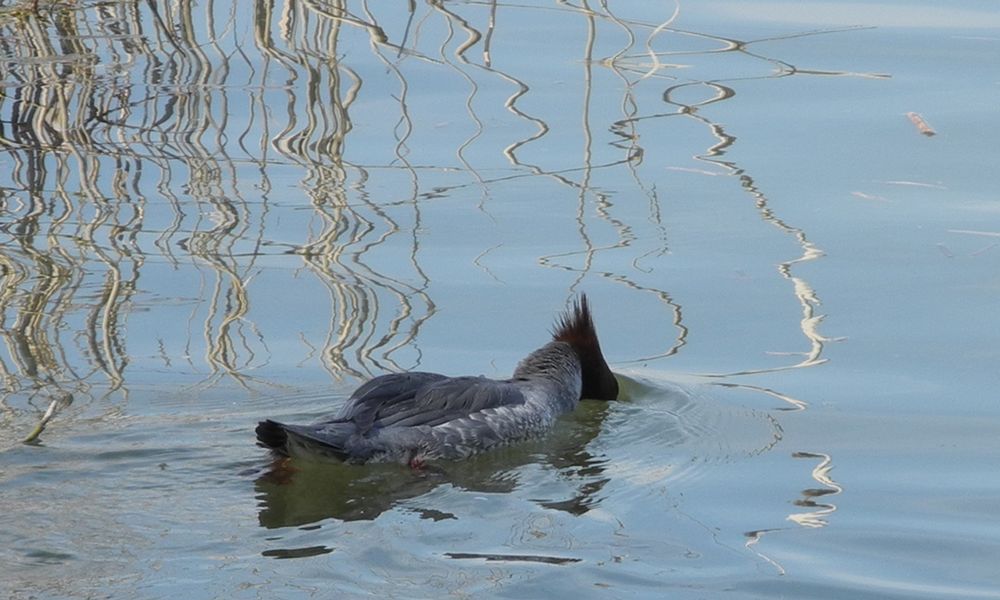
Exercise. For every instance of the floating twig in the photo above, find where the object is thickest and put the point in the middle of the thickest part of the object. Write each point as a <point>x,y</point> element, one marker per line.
<point>921,124</point>
<point>49,413</point>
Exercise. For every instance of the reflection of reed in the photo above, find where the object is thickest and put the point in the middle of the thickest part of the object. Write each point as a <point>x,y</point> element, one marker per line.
<point>338,254</point>
<point>472,38</point>
<point>150,140</point>
<point>814,518</point>
<point>108,124</point>
<point>713,155</point>
<point>793,404</point>
<point>817,517</point>
<point>603,207</point>
<point>56,256</point>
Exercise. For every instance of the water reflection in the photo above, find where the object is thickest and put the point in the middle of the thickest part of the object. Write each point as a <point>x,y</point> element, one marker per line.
<point>819,511</point>
<point>131,143</point>
<point>159,137</point>
<point>815,517</point>
<point>294,493</point>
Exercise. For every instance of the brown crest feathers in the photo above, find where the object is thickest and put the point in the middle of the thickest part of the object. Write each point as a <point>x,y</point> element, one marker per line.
<point>575,326</point>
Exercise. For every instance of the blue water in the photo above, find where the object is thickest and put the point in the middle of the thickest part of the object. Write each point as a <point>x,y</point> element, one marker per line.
<point>783,215</point>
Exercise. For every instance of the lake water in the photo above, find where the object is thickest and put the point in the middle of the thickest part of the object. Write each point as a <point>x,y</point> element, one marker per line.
<point>784,214</point>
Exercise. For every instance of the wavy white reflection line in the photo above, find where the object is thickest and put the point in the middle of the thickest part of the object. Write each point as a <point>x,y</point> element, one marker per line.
<point>794,403</point>
<point>821,474</point>
<point>656,65</point>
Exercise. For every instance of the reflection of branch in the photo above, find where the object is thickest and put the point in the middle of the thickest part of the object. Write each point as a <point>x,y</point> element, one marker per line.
<point>358,341</point>
<point>103,334</point>
<point>149,151</point>
<point>337,257</point>
<point>338,12</point>
<point>603,207</point>
<point>490,28</point>
<point>820,473</point>
<point>794,403</point>
<point>473,37</point>
<point>584,186</point>
<point>812,519</point>
<point>806,296</point>
<point>627,130</point>
<point>753,539</point>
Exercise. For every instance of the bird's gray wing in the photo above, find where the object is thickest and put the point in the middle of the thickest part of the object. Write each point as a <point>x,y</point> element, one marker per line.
<point>419,398</point>
<point>384,396</point>
<point>450,398</point>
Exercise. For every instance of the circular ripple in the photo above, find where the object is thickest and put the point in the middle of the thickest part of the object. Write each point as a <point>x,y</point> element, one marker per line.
<point>665,431</point>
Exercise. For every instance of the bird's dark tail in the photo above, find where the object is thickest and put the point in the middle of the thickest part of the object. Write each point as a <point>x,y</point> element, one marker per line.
<point>324,441</point>
<point>272,434</point>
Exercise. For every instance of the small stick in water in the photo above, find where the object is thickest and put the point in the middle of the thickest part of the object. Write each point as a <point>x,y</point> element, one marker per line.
<point>921,124</point>
<point>49,413</point>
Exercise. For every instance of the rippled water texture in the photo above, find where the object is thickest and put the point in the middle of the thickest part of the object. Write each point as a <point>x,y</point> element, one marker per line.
<point>784,215</point>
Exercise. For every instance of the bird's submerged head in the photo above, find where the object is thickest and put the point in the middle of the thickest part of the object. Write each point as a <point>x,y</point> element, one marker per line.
<point>576,328</point>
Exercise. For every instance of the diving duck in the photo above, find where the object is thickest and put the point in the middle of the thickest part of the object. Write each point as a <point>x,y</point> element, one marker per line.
<point>419,416</point>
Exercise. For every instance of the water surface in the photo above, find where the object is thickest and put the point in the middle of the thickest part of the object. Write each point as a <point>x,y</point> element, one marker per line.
<point>782,213</point>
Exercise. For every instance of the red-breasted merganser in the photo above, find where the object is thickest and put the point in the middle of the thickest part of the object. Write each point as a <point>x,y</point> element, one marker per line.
<point>419,416</point>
